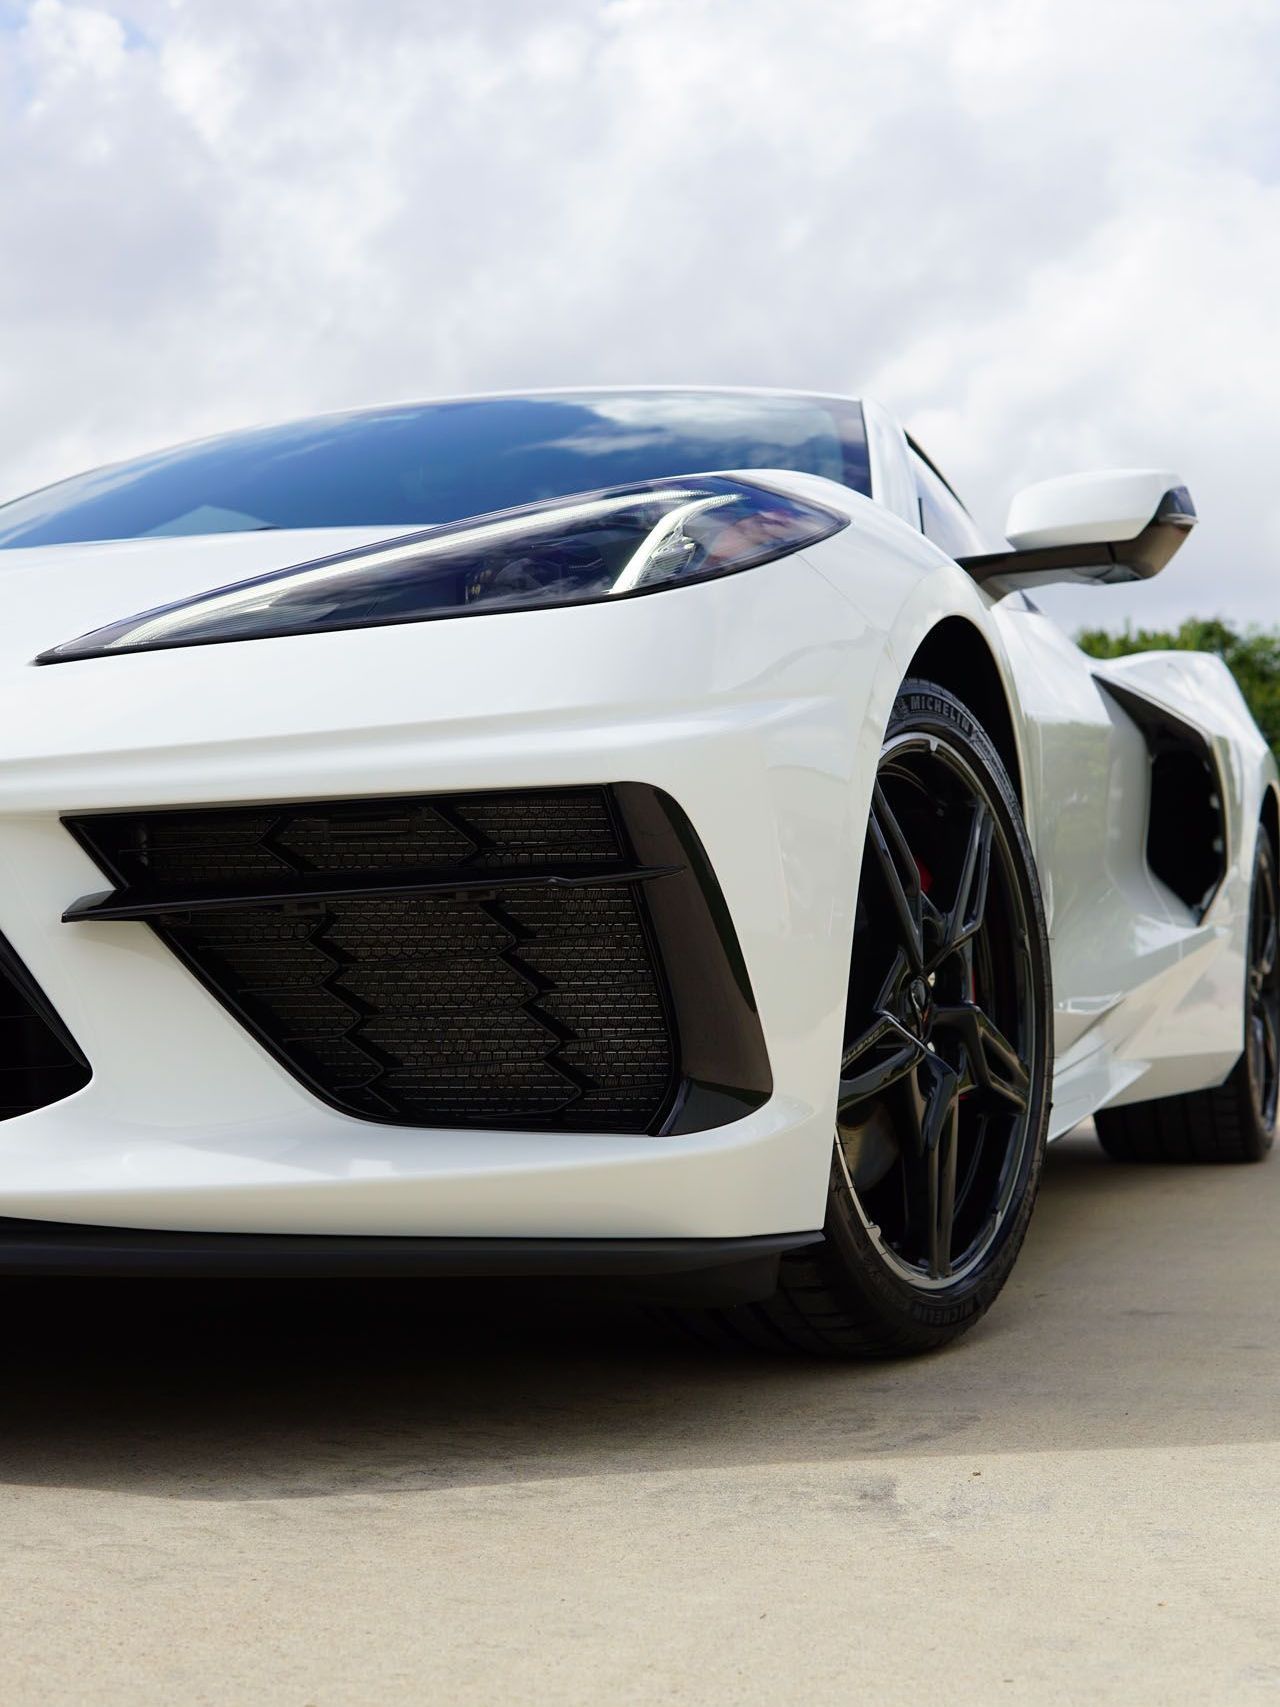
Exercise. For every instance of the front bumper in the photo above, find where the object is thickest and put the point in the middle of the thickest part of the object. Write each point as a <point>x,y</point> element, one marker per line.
<point>719,695</point>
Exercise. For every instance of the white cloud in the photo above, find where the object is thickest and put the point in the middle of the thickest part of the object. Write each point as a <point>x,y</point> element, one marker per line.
<point>1047,236</point>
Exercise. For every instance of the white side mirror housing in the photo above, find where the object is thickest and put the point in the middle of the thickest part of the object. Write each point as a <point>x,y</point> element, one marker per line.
<point>1087,509</point>
<point>1120,525</point>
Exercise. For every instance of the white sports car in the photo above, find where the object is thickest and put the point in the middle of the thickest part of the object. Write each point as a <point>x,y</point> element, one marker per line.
<point>641,833</point>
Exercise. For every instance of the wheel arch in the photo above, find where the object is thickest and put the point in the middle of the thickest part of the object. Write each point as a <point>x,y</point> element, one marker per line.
<point>957,655</point>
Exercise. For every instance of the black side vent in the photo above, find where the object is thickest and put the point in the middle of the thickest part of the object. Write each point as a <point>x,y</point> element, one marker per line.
<point>1186,825</point>
<point>483,960</point>
<point>39,1061</point>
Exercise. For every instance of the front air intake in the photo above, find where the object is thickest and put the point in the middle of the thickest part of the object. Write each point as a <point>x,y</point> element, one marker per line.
<point>554,958</point>
<point>40,1062</point>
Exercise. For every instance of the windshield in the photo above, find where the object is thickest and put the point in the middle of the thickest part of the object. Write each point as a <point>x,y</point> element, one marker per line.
<point>417,464</point>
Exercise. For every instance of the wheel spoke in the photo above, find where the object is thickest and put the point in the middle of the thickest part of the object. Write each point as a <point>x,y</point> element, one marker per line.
<point>930,1161</point>
<point>885,1053</point>
<point>944,1195</point>
<point>1265,959</point>
<point>901,879</point>
<point>995,1065</point>
<point>1271,1048</point>
<point>975,1143</point>
<point>965,918</point>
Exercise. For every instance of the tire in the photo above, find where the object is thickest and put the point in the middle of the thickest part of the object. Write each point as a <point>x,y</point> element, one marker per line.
<point>1234,1121</point>
<point>893,1275</point>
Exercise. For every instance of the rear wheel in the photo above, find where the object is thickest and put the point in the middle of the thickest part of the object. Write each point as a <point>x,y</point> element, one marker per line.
<point>1234,1121</point>
<point>942,1101</point>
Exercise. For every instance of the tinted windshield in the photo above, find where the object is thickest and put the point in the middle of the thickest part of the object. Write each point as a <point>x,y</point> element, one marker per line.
<point>439,462</point>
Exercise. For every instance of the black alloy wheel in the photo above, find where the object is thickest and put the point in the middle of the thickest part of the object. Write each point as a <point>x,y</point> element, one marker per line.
<point>1262,1025</point>
<point>942,1102</point>
<point>934,1113</point>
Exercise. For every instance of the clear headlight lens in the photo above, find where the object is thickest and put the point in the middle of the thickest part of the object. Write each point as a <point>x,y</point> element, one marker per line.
<point>582,550</point>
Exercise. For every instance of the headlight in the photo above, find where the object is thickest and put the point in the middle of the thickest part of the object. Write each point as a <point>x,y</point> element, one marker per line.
<point>582,550</point>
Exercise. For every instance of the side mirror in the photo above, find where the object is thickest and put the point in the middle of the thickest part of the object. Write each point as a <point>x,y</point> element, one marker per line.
<point>1123,525</point>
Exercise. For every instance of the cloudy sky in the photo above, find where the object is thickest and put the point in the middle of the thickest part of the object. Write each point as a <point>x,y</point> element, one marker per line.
<point>1047,235</point>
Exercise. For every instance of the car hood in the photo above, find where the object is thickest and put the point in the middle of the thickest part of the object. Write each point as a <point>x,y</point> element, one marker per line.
<point>53,593</point>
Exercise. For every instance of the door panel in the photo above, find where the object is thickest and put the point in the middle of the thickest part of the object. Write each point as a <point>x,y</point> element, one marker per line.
<point>1124,948</point>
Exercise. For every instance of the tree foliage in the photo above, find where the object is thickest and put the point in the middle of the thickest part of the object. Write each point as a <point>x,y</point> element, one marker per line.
<point>1252,656</point>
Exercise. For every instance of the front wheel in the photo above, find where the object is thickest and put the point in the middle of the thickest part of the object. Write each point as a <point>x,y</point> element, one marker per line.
<point>943,1087</point>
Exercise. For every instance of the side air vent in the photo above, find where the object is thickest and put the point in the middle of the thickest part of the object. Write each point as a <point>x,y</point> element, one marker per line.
<point>1186,825</point>
<point>39,1061</point>
<point>529,959</point>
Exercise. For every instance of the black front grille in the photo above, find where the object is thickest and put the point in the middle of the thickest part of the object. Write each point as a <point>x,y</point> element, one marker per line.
<point>523,1006</point>
<point>466,960</point>
<point>39,1061</point>
<point>451,837</point>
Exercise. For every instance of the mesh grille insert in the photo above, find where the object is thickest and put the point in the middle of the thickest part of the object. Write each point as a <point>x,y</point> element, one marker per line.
<point>529,995</point>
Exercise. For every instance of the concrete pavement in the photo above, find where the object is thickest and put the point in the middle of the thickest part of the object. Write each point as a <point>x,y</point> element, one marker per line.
<point>322,1495</point>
